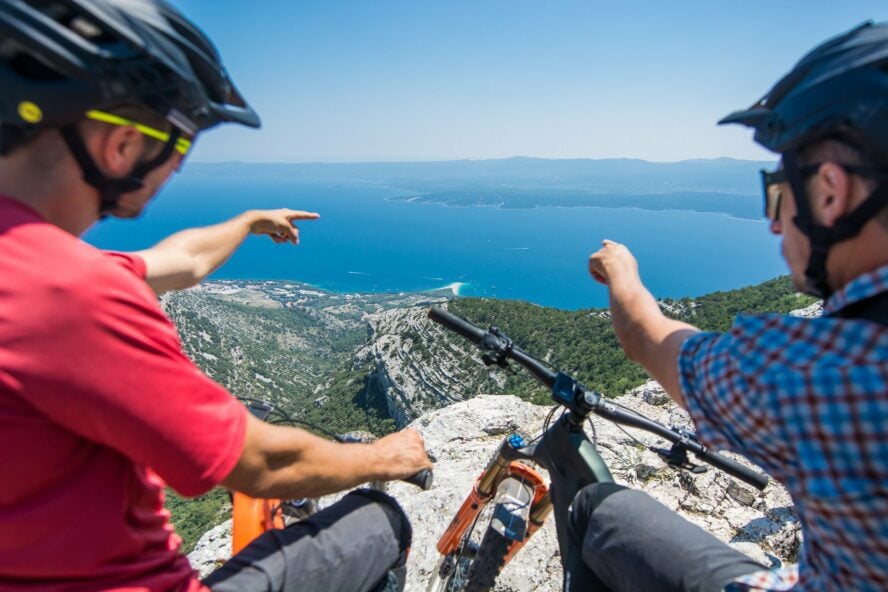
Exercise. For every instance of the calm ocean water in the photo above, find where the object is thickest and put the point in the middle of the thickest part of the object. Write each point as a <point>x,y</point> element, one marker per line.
<point>364,243</point>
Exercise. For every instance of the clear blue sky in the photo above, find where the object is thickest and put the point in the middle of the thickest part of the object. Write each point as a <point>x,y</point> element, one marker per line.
<point>380,80</point>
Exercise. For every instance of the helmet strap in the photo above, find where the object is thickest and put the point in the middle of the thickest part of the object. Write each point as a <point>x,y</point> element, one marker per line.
<point>822,238</point>
<point>110,189</point>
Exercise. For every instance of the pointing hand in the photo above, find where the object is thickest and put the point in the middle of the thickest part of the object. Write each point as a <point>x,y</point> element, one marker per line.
<point>613,263</point>
<point>279,224</point>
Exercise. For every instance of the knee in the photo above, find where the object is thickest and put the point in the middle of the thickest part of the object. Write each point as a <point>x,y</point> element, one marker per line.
<point>586,502</point>
<point>395,578</point>
<point>397,518</point>
<point>591,496</point>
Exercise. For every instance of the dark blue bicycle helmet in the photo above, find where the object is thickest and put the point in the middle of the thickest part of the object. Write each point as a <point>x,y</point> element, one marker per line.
<point>837,91</point>
<point>62,58</point>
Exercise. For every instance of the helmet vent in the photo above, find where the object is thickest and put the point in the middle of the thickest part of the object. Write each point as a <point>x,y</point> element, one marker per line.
<point>75,19</point>
<point>85,28</point>
<point>31,68</point>
<point>143,77</point>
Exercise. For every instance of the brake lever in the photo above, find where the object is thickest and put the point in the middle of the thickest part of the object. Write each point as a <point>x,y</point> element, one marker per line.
<point>677,457</point>
<point>495,347</point>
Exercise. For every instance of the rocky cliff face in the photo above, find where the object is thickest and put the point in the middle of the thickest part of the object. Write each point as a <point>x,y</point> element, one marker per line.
<point>292,344</point>
<point>418,365</point>
<point>463,436</point>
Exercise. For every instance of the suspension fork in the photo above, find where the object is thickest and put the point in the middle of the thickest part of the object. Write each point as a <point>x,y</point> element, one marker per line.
<point>483,490</point>
<point>540,506</point>
<point>468,512</point>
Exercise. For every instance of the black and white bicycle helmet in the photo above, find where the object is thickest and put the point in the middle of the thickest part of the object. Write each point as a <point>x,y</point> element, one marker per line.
<point>61,58</point>
<point>837,91</point>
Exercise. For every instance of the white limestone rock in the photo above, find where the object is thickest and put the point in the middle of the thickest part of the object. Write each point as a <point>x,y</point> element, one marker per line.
<point>212,550</point>
<point>809,312</point>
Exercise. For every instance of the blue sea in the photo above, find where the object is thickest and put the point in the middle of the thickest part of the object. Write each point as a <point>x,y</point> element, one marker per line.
<point>365,243</point>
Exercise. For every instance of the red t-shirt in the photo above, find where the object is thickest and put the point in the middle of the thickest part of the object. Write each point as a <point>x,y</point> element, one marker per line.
<point>99,407</point>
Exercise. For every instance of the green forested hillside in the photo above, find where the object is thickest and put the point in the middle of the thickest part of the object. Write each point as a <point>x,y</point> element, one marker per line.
<point>583,343</point>
<point>716,311</point>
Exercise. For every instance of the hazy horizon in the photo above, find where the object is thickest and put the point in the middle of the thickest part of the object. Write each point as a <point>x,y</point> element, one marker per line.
<point>515,157</point>
<point>396,81</point>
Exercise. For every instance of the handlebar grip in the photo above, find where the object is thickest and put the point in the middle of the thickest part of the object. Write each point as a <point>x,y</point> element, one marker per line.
<point>457,324</point>
<point>754,478</point>
<point>422,479</point>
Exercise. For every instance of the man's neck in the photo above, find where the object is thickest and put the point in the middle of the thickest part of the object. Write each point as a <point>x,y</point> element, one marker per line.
<point>59,195</point>
<point>866,252</point>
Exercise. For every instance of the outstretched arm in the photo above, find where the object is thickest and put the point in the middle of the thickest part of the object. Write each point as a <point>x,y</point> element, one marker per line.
<point>287,462</point>
<point>647,335</point>
<point>185,258</point>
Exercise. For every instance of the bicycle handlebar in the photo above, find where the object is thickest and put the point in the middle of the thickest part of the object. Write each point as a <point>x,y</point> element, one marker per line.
<point>422,479</point>
<point>630,418</point>
<point>492,341</point>
<point>457,324</point>
<point>731,467</point>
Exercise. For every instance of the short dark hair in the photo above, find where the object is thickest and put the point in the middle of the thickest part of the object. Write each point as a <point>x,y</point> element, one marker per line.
<point>13,138</point>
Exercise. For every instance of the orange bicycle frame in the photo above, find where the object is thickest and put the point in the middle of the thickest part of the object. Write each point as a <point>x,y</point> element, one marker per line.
<point>250,517</point>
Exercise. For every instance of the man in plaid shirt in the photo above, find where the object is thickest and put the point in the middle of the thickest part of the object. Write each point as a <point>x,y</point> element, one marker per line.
<point>807,399</point>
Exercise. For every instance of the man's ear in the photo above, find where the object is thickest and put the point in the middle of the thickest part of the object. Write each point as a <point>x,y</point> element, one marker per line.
<point>118,149</point>
<point>831,195</point>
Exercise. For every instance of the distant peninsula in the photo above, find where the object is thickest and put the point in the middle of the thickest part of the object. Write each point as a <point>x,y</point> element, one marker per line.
<point>720,185</point>
<point>738,206</point>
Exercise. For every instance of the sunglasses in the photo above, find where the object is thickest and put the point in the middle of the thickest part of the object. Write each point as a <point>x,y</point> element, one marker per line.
<point>772,181</point>
<point>183,145</point>
<point>773,192</point>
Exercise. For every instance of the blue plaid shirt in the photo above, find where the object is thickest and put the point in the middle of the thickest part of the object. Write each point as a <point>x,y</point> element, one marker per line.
<point>807,400</point>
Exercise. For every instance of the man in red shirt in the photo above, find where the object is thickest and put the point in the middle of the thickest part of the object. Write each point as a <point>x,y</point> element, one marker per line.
<point>99,407</point>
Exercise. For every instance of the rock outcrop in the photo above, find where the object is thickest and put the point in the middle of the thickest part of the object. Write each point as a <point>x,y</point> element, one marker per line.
<point>418,365</point>
<point>462,437</point>
<point>809,312</point>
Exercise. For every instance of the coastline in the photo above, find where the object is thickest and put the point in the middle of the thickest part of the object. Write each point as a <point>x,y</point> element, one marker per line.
<point>458,288</point>
<point>225,285</point>
<point>417,200</point>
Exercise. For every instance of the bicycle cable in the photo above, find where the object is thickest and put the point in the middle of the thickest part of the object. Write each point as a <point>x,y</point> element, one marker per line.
<point>285,418</point>
<point>622,429</point>
<point>594,432</point>
<point>466,539</point>
<point>546,424</point>
<point>637,441</point>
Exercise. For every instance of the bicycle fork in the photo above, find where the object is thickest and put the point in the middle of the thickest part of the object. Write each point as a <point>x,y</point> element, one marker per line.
<point>520,515</point>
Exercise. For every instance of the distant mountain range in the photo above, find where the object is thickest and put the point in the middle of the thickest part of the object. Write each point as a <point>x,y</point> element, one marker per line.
<point>722,185</point>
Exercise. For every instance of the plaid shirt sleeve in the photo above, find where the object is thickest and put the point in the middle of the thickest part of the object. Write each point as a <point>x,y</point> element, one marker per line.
<point>729,394</point>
